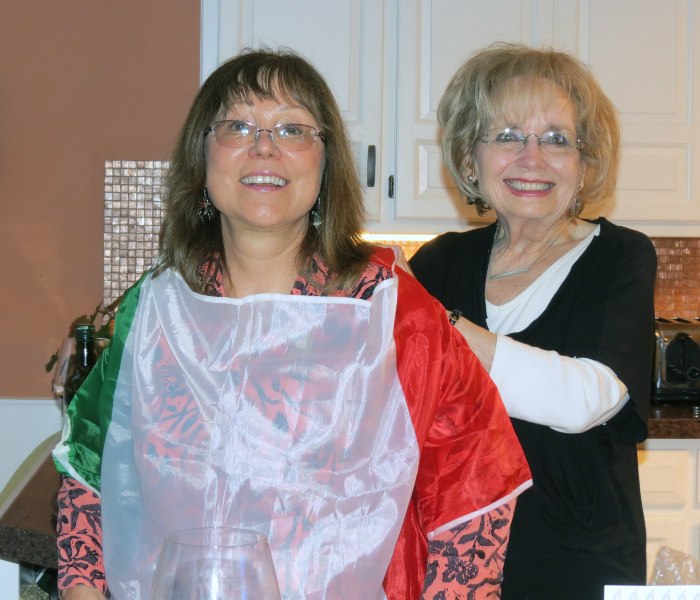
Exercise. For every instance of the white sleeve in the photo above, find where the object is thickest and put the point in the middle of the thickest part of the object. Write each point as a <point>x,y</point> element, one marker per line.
<point>570,395</point>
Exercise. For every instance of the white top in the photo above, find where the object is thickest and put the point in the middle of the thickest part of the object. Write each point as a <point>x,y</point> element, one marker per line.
<point>533,381</point>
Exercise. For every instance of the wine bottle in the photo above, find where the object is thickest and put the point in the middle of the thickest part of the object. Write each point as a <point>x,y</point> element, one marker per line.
<point>82,362</point>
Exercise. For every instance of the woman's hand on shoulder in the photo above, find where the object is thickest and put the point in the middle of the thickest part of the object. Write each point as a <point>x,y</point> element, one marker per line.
<point>82,592</point>
<point>481,341</point>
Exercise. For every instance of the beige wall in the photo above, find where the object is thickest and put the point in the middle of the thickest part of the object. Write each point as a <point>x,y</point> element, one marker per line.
<point>81,82</point>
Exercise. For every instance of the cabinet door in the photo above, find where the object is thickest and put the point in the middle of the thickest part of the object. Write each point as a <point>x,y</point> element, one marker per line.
<point>669,474</point>
<point>647,61</point>
<point>342,39</point>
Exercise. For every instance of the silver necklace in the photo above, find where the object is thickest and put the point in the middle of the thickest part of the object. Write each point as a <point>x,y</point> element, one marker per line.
<point>519,270</point>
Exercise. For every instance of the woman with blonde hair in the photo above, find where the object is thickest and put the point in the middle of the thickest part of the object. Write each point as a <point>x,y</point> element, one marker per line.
<point>558,308</point>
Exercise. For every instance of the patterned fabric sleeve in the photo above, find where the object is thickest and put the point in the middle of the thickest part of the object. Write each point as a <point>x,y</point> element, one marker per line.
<point>468,559</point>
<point>79,540</point>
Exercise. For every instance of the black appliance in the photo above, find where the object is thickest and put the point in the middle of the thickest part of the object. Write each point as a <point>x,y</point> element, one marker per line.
<point>677,360</point>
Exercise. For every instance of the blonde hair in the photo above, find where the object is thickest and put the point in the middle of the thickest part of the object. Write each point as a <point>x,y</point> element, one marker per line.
<point>476,95</point>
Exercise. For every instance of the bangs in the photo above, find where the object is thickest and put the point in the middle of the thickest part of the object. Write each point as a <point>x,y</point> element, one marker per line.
<point>271,81</point>
<point>255,82</point>
<point>523,96</point>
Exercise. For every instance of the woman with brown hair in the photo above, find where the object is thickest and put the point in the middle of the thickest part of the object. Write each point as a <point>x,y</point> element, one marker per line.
<point>276,372</point>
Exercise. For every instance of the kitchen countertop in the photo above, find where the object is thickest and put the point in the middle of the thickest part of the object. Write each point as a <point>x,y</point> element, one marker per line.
<point>674,420</point>
<point>28,516</point>
<point>28,510</point>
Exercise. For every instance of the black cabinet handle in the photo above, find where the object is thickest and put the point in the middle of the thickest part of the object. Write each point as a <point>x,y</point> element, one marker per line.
<point>391,186</point>
<point>371,164</point>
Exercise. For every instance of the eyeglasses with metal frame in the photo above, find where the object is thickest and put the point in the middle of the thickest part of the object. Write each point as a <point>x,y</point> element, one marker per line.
<point>513,140</point>
<point>294,137</point>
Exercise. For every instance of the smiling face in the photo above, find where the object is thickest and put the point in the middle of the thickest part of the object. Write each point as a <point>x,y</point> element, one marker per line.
<point>260,187</point>
<point>530,183</point>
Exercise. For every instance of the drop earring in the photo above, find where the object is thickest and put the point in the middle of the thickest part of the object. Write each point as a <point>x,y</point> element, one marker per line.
<point>475,183</point>
<point>316,214</point>
<point>205,211</point>
<point>576,208</point>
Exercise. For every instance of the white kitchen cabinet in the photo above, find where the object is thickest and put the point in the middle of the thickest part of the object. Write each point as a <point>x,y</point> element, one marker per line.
<point>669,472</point>
<point>388,62</point>
<point>648,60</point>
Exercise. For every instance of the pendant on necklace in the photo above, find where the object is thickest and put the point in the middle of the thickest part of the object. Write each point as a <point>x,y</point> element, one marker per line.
<point>521,270</point>
<point>509,273</point>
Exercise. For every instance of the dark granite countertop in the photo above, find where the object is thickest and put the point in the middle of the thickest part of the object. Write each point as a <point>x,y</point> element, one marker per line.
<point>28,510</point>
<point>674,420</point>
<point>28,516</point>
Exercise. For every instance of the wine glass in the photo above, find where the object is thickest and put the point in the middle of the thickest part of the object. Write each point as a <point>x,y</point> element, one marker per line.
<point>216,563</point>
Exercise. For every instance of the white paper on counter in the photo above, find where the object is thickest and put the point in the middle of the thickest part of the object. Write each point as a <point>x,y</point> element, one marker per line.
<point>652,592</point>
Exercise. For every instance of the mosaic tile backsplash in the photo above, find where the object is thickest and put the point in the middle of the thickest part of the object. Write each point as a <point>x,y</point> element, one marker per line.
<point>677,277</point>
<point>132,214</point>
<point>134,208</point>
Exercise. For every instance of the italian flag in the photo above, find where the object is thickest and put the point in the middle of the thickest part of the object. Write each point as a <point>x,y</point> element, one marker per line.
<point>346,430</point>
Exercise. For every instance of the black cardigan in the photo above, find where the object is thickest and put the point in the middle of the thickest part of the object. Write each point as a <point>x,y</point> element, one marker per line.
<point>581,525</point>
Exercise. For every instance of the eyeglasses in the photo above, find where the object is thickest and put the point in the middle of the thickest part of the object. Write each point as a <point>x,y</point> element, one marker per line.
<point>287,136</point>
<point>513,140</point>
